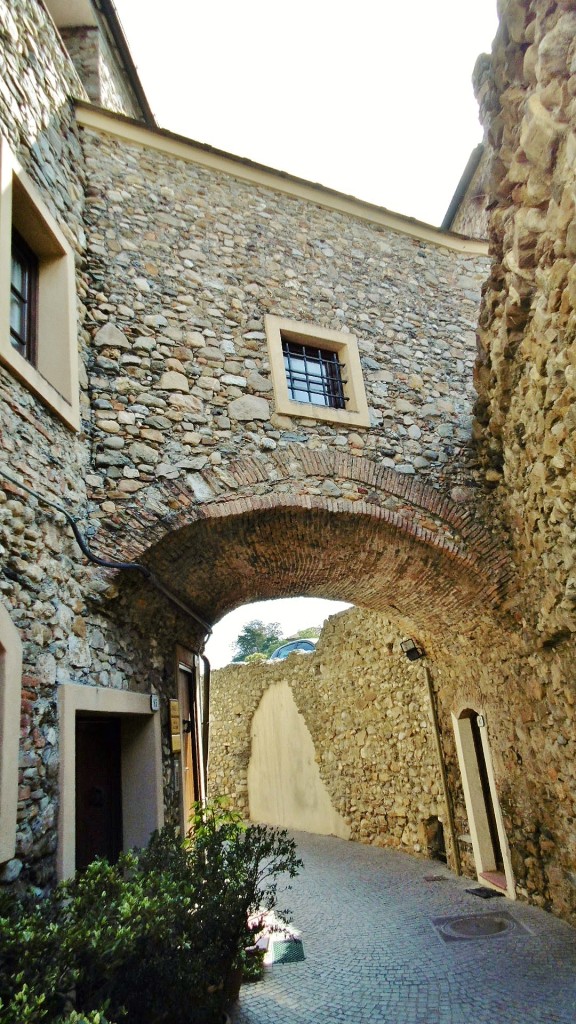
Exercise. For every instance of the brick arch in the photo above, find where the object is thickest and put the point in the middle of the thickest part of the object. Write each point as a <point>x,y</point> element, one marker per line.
<point>142,520</point>
<point>266,528</point>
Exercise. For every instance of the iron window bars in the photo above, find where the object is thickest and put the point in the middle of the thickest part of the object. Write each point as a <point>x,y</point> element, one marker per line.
<point>314,375</point>
<point>23,298</point>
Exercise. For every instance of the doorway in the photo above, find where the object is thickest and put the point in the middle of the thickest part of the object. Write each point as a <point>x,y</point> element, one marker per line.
<point>193,690</point>
<point>127,726</point>
<point>98,789</point>
<point>489,842</point>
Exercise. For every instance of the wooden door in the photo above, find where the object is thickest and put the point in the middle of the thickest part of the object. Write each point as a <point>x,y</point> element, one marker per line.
<point>98,790</point>
<point>190,695</point>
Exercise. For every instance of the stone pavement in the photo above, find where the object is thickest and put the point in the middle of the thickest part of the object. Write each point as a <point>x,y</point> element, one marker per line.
<point>375,956</point>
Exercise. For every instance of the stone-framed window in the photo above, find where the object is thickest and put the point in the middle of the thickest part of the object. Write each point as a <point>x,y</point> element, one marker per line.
<point>10,689</point>
<point>316,372</point>
<point>48,363</point>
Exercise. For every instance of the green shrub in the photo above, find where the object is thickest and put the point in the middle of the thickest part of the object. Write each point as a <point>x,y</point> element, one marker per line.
<point>149,940</point>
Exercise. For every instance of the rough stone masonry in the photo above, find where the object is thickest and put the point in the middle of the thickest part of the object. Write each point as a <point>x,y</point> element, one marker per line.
<point>461,531</point>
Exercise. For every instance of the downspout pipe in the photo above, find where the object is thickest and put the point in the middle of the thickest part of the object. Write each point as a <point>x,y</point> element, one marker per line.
<point>442,766</point>
<point>110,563</point>
<point>205,711</point>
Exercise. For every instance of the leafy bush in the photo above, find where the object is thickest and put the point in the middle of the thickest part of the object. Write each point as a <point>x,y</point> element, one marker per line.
<point>149,940</point>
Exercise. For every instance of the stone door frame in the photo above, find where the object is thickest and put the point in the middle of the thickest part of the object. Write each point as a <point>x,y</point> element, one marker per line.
<point>142,795</point>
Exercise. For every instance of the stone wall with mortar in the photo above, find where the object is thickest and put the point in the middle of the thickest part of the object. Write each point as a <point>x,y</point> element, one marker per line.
<point>472,216</point>
<point>73,627</point>
<point>185,263</point>
<point>525,420</point>
<point>42,582</point>
<point>177,266</point>
<point>527,698</point>
<point>526,370</point>
<point>99,70</point>
<point>367,710</point>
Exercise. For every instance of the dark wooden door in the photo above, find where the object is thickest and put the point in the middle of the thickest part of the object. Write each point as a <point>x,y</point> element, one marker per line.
<point>98,790</point>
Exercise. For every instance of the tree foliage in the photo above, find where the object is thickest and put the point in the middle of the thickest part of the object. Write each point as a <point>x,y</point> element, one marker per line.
<point>305,634</point>
<point>152,939</point>
<point>257,638</point>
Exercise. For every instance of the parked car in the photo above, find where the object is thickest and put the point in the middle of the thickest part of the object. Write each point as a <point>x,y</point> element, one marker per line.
<point>303,646</point>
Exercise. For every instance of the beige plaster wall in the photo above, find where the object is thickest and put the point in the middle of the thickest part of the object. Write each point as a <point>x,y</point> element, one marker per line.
<point>284,783</point>
<point>357,719</point>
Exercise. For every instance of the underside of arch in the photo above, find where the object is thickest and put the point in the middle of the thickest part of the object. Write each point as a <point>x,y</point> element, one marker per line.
<point>269,527</point>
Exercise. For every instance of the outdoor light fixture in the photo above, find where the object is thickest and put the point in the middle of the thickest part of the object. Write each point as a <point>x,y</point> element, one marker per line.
<point>411,650</point>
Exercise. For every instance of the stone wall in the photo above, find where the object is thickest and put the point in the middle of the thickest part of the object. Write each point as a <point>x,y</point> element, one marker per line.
<point>42,580</point>
<point>527,698</point>
<point>185,264</point>
<point>99,69</point>
<point>526,370</point>
<point>368,712</point>
<point>76,625</point>
<point>525,375</point>
<point>177,265</point>
<point>366,708</point>
<point>472,216</point>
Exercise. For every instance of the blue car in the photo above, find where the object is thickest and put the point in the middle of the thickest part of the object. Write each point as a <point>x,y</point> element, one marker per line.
<point>306,646</point>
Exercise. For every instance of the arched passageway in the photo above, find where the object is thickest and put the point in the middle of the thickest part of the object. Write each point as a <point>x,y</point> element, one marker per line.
<point>302,522</point>
<point>367,556</point>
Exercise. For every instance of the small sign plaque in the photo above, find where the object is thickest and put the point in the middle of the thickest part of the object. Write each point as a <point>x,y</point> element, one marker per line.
<point>175,736</point>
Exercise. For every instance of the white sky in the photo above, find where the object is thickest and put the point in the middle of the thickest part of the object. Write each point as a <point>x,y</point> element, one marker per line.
<point>373,99</point>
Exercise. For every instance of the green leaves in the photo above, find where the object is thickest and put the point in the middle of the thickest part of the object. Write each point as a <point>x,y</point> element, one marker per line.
<point>122,942</point>
<point>257,638</point>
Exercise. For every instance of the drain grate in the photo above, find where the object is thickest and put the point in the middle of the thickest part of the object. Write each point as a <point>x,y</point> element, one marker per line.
<point>476,926</point>
<point>485,894</point>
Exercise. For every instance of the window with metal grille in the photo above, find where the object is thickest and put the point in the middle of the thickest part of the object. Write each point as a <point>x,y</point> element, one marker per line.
<point>23,298</point>
<point>313,375</point>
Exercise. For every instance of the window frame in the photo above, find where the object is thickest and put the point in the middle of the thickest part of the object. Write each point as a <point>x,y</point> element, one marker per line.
<point>53,374</point>
<point>320,374</point>
<point>355,413</point>
<point>26,337</point>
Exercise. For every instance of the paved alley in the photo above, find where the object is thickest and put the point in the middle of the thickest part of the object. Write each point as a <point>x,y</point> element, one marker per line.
<point>385,943</point>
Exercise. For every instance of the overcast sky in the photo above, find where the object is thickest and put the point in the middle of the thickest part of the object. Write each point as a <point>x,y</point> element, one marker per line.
<point>373,99</point>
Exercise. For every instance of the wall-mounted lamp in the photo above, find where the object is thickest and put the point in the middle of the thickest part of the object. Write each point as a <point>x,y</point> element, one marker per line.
<point>411,650</point>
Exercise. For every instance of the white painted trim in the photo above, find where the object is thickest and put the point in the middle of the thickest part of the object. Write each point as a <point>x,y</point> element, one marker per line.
<point>142,797</point>
<point>475,804</point>
<point>502,837</point>
<point>10,691</point>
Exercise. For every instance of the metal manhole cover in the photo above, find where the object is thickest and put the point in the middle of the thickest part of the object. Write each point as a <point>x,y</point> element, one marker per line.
<point>475,926</point>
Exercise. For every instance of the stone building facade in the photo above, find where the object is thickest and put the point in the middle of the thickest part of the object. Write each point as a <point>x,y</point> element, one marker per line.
<point>155,424</point>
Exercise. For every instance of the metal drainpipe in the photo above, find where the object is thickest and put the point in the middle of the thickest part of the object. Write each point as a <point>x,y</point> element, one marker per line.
<point>107,563</point>
<point>440,755</point>
<point>206,713</point>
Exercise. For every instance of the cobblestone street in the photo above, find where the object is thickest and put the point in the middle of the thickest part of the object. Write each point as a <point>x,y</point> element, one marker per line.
<point>379,950</point>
